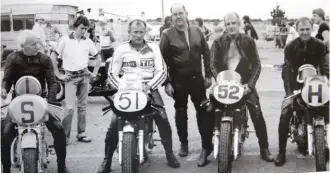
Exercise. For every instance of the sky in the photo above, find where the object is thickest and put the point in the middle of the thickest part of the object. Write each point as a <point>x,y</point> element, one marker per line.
<point>210,9</point>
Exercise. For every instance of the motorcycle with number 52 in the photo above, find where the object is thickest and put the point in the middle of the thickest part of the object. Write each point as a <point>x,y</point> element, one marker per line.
<point>227,101</point>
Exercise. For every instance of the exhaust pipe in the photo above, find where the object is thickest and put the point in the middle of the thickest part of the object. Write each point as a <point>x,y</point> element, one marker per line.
<point>310,139</point>
<point>120,146</point>
<point>216,143</point>
<point>141,148</point>
<point>235,143</point>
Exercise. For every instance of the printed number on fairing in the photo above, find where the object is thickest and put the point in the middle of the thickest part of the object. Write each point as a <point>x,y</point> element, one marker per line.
<point>130,101</point>
<point>228,92</point>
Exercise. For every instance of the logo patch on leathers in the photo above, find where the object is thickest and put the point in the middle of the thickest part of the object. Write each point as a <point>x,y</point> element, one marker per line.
<point>129,64</point>
<point>149,62</point>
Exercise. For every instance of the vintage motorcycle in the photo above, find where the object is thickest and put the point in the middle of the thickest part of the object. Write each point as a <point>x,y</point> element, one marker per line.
<point>227,101</point>
<point>308,128</point>
<point>134,109</point>
<point>100,87</point>
<point>29,150</point>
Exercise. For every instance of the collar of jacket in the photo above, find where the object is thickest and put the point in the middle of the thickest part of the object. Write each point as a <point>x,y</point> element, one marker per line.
<point>226,45</point>
<point>145,49</point>
<point>72,37</point>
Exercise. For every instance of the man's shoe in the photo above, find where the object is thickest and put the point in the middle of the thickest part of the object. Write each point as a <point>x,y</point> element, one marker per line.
<point>184,151</point>
<point>202,161</point>
<point>105,167</point>
<point>62,170</point>
<point>172,161</point>
<point>266,155</point>
<point>280,159</point>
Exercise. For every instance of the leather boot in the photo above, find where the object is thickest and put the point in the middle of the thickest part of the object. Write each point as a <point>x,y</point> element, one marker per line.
<point>61,167</point>
<point>172,161</point>
<point>280,159</point>
<point>202,161</point>
<point>266,155</point>
<point>184,150</point>
<point>106,164</point>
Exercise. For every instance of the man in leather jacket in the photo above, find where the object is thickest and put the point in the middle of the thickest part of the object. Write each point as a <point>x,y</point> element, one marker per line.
<point>237,51</point>
<point>139,55</point>
<point>303,50</point>
<point>29,61</point>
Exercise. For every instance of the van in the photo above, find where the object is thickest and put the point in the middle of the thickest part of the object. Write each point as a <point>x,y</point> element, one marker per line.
<point>271,32</point>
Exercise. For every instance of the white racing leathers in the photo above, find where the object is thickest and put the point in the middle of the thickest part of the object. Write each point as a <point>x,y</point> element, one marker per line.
<point>148,61</point>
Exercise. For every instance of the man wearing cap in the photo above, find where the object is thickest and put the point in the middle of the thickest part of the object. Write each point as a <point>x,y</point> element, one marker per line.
<point>50,32</point>
<point>39,31</point>
<point>323,31</point>
<point>106,40</point>
<point>303,50</point>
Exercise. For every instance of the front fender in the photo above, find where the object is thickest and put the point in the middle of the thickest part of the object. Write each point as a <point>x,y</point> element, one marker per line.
<point>129,127</point>
<point>319,121</point>
<point>29,140</point>
<point>226,119</point>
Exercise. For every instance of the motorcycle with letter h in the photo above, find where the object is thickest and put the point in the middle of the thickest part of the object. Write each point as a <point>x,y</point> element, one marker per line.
<point>29,111</point>
<point>228,105</point>
<point>309,126</point>
<point>133,107</point>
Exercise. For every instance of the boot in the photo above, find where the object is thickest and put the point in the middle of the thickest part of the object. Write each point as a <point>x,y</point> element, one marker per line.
<point>61,167</point>
<point>106,164</point>
<point>280,159</point>
<point>202,161</point>
<point>266,155</point>
<point>172,161</point>
<point>184,150</point>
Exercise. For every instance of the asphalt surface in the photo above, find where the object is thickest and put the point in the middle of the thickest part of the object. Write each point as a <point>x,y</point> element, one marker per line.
<point>86,157</point>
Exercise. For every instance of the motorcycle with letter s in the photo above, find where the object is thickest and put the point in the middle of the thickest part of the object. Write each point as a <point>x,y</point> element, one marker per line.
<point>133,107</point>
<point>309,126</point>
<point>29,111</point>
<point>228,105</point>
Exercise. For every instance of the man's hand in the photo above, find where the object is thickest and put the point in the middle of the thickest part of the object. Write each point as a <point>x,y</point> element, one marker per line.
<point>247,89</point>
<point>4,94</point>
<point>64,77</point>
<point>207,82</point>
<point>147,88</point>
<point>169,90</point>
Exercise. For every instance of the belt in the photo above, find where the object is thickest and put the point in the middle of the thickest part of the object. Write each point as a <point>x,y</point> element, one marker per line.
<point>78,72</point>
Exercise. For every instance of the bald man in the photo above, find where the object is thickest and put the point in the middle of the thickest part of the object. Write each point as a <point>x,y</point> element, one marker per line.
<point>238,52</point>
<point>29,61</point>
<point>183,46</point>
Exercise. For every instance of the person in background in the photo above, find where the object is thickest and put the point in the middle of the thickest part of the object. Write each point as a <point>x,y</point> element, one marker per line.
<point>292,33</point>
<point>248,28</point>
<point>91,32</point>
<point>106,40</point>
<point>50,32</point>
<point>323,31</point>
<point>205,30</point>
<point>39,31</point>
<point>167,24</point>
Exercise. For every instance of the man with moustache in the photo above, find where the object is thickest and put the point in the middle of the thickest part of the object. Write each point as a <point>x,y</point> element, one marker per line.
<point>303,50</point>
<point>237,51</point>
<point>183,46</point>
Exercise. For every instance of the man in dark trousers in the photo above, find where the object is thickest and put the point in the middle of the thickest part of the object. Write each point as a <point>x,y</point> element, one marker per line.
<point>183,46</point>
<point>238,52</point>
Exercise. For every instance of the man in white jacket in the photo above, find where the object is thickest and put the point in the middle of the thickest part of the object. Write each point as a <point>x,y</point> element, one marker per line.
<point>139,55</point>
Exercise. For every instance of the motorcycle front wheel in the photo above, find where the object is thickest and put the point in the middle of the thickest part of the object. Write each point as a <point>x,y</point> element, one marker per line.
<point>30,161</point>
<point>319,144</point>
<point>225,146</point>
<point>130,162</point>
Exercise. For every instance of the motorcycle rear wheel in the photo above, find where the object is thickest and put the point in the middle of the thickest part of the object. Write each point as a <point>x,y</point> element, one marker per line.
<point>130,162</point>
<point>30,161</point>
<point>225,148</point>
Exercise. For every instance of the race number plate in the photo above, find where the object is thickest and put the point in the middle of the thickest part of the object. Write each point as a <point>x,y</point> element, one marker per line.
<point>315,93</point>
<point>228,92</point>
<point>130,101</point>
<point>28,109</point>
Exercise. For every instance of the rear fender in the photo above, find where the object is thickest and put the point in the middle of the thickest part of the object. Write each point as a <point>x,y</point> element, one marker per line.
<point>29,140</point>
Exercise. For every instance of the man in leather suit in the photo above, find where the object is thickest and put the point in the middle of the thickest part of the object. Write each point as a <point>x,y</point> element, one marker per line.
<point>29,61</point>
<point>135,55</point>
<point>303,50</point>
<point>237,51</point>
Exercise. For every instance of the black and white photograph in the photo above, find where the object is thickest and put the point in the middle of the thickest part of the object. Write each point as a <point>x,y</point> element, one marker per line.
<point>165,86</point>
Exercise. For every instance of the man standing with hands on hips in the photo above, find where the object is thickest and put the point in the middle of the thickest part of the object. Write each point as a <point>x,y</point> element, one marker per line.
<point>182,47</point>
<point>74,49</point>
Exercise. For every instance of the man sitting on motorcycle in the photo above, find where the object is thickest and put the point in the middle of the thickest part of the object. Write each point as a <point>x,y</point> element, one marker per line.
<point>128,57</point>
<point>29,61</point>
<point>237,51</point>
<point>303,50</point>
